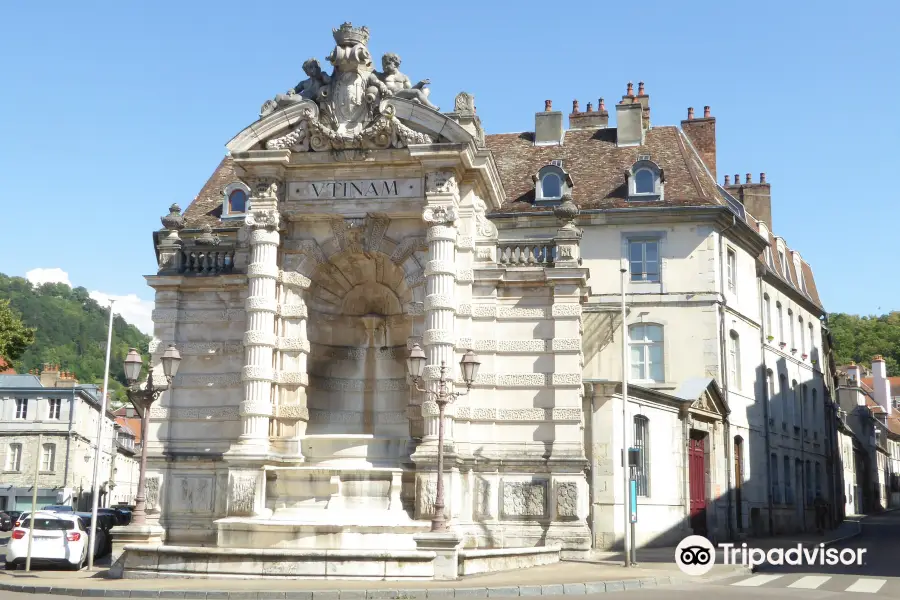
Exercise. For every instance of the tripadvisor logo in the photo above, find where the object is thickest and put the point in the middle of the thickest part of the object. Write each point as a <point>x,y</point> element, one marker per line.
<point>696,555</point>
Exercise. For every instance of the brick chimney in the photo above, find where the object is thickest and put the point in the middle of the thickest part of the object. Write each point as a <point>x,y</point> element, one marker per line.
<point>642,98</point>
<point>548,126</point>
<point>589,119</point>
<point>880,384</point>
<point>756,197</point>
<point>702,134</point>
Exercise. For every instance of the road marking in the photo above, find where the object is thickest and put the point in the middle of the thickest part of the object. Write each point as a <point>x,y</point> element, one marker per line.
<point>866,586</point>
<point>757,580</point>
<point>810,582</point>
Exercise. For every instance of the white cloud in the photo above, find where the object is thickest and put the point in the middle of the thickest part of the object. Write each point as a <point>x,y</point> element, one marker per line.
<point>54,275</point>
<point>133,309</point>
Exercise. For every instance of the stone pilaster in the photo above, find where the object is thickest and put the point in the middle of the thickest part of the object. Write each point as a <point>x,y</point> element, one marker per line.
<point>260,338</point>
<point>292,378</point>
<point>440,214</point>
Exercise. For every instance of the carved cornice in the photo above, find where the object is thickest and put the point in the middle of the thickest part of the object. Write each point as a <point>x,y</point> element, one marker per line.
<point>163,315</point>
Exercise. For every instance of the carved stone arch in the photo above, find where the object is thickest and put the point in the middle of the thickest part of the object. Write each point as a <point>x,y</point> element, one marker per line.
<point>428,121</point>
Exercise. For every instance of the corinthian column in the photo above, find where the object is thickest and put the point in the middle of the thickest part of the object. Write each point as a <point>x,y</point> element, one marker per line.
<point>442,196</point>
<point>260,338</point>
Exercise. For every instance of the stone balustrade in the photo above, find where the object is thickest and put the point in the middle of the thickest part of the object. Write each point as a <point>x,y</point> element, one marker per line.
<point>206,261</point>
<point>528,253</point>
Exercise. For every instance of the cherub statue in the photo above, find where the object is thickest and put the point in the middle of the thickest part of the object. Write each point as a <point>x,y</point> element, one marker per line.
<point>400,85</point>
<point>308,89</point>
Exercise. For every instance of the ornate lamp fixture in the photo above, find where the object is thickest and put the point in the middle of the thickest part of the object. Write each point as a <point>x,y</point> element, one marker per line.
<point>469,365</point>
<point>142,397</point>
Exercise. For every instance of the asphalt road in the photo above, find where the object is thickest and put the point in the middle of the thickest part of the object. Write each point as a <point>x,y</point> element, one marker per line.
<point>877,577</point>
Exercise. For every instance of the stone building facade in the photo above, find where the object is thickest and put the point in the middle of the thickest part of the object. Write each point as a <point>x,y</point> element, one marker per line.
<point>54,404</point>
<point>353,220</point>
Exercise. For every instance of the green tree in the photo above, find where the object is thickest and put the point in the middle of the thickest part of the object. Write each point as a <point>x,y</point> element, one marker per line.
<point>859,338</point>
<point>15,337</point>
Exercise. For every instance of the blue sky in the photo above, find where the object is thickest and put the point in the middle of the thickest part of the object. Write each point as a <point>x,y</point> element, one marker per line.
<point>111,111</point>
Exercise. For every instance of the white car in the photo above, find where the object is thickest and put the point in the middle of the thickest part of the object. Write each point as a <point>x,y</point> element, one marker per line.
<point>58,539</point>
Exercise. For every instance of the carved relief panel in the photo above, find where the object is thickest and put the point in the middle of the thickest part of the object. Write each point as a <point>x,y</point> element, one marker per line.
<point>524,499</point>
<point>566,500</point>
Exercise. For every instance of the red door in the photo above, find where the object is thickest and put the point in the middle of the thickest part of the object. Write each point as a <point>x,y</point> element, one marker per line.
<point>697,483</point>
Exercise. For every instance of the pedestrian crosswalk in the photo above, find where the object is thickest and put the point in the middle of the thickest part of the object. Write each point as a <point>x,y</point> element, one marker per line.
<point>834,583</point>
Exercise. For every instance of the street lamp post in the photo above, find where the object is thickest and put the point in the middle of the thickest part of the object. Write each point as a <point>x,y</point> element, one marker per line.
<point>416,366</point>
<point>142,397</point>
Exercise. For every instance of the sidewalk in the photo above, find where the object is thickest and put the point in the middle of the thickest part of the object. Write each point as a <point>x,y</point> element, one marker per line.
<point>564,578</point>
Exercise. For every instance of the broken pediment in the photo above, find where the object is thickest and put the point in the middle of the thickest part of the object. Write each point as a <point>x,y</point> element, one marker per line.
<point>353,108</point>
<point>704,396</point>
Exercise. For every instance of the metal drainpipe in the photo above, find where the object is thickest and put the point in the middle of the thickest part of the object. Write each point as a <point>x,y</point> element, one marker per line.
<point>723,349</point>
<point>69,437</point>
<point>766,400</point>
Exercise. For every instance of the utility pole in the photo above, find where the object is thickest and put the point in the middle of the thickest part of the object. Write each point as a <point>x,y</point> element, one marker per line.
<point>626,480</point>
<point>37,470</point>
<point>96,487</point>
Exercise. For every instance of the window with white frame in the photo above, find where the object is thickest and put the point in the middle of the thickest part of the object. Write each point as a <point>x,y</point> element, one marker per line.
<point>773,467</point>
<point>551,187</point>
<point>237,200</point>
<point>642,443</point>
<point>787,407</point>
<point>14,457</point>
<point>48,457</point>
<point>784,265</point>
<point>734,360</point>
<point>802,336</point>
<point>790,321</point>
<point>732,270</point>
<point>812,339</point>
<point>645,180</point>
<point>646,343</point>
<point>21,408</point>
<point>54,406</point>
<point>788,488</point>
<point>767,316</point>
<point>643,257</point>
<point>809,483</point>
<point>770,381</point>
<point>780,322</point>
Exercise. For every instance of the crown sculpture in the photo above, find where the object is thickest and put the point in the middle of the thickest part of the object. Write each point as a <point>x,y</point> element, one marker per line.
<point>349,108</point>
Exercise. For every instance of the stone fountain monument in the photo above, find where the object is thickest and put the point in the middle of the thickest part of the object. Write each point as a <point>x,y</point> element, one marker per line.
<point>292,442</point>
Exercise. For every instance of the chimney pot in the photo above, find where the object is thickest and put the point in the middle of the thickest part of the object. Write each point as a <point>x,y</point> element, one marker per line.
<point>574,106</point>
<point>728,180</point>
<point>640,88</point>
<point>630,91</point>
<point>737,179</point>
<point>878,358</point>
<point>602,106</point>
<point>548,105</point>
<point>748,179</point>
<point>690,113</point>
<point>706,113</point>
<point>590,107</point>
<point>762,177</point>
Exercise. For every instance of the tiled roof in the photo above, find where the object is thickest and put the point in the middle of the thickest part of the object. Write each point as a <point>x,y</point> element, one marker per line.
<point>598,166</point>
<point>20,381</point>
<point>124,424</point>
<point>894,382</point>
<point>207,206</point>
<point>812,292</point>
<point>133,423</point>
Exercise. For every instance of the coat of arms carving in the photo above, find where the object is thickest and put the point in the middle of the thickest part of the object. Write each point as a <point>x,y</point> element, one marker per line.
<point>350,108</point>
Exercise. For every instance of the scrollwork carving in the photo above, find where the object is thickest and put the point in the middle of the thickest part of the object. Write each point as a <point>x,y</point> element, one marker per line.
<point>566,499</point>
<point>439,215</point>
<point>263,219</point>
<point>524,499</point>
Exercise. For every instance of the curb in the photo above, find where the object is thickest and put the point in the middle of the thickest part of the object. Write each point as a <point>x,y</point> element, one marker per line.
<point>561,589</point>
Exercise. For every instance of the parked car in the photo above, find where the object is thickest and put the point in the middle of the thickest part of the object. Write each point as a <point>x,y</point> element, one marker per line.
<point>58,508</point>
<point>118,516</point>
<point>6,522</point>
<point>104,539</point>
<point>57,539</point>
<point>13,515</point>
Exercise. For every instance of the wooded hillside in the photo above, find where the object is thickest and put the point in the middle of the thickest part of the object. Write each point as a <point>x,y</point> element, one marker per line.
<point>70,330</point>
<point>858,339</point>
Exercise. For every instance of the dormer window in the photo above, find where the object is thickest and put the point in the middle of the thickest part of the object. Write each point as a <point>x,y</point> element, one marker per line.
<point>551,187</point>
<point>551,183</point>
<point>645,180</point>
<point>236,200</point>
